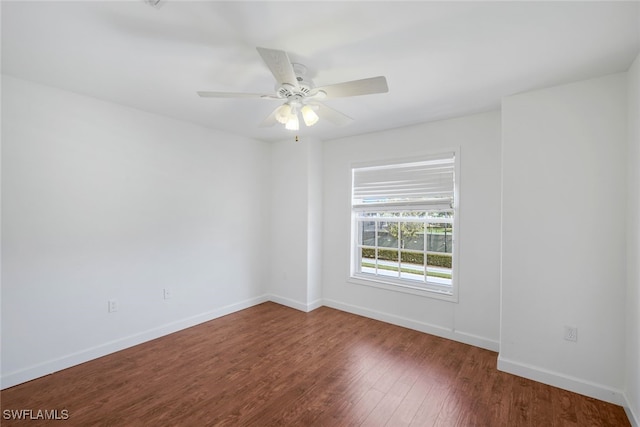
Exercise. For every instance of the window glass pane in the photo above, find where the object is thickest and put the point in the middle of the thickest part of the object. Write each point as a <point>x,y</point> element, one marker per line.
<point>439,268</point>
<point>440,241</point>
<point>368,254</point>
<point>388,262</point>
<point>412,265</point>
<point>387,234</point>
<point>368,260</point>
<point>367,233</point>
<point>439,237</point>
<point>412,235</point>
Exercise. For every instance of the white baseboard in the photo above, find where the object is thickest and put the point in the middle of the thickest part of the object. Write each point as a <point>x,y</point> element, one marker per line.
<point>295,304</point>
<point>428,328</point>
<point>634,419</point>
<point>50,366</point>
<point>566,382</point>
<point>315,304</point>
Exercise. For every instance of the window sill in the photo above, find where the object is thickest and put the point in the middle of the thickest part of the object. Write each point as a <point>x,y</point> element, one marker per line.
<point>407,288</point>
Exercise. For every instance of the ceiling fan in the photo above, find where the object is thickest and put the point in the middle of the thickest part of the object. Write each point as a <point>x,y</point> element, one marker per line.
<point>301,95</point>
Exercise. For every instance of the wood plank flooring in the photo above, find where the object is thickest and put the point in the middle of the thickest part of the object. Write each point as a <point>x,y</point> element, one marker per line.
<point>271,365</point>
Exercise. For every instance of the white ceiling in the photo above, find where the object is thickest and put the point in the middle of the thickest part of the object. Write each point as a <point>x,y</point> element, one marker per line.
<point>441,59</point>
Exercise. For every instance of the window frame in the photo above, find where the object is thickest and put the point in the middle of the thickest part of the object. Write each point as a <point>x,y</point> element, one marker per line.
<point>427,288</point>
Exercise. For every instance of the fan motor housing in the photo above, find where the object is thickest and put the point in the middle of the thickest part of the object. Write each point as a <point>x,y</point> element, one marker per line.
<point>304,86</point>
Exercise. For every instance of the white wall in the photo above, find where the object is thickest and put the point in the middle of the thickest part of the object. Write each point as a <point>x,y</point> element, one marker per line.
<point>563,235</point>
<point>475,318</point>
<point>314,221</point>
<point>295,239</point>
<point>632,375</point>
<point>105,202</point>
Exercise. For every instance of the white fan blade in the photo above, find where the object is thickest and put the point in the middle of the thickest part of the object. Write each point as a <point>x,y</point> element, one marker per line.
<point>356,87</point>
<point>208,94</point>
<point>270,120</point>
<point>333,116</point>
<point>280,66</point>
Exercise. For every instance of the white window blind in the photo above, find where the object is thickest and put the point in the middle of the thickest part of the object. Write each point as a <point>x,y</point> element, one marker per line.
<point>428,182</point>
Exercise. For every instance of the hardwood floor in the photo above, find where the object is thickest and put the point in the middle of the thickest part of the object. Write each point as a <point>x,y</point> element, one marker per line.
<point>272,365</point>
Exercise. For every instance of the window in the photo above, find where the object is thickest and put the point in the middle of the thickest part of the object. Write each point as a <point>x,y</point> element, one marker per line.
<point>404,225</point>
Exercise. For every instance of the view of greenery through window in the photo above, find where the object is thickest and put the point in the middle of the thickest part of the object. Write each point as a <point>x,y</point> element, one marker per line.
<point>409,245</point>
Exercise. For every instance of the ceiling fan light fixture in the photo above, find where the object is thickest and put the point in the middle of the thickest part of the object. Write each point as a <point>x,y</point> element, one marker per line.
<point>309,116</point>
<point>283,113</point>
<point>293,123</point>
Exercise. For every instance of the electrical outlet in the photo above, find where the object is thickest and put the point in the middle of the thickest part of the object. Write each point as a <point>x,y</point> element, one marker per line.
<point>113,306</point>
<point>571,333</point>
<point>167,293</point>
